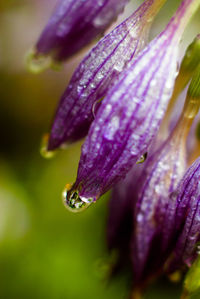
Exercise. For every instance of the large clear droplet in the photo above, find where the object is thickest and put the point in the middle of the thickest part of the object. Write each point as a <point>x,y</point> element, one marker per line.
<point>73,202</point>
<point>43,149</point>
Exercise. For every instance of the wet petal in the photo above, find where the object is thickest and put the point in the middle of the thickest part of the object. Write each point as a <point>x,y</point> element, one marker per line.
<point>96,74</point>
<point>74,24</point>
<point>187,218</point>
<point>160,177</point>
<point>130,115</point>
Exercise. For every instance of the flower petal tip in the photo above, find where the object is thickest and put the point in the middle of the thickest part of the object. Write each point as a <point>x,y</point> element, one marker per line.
<point>74,24</point>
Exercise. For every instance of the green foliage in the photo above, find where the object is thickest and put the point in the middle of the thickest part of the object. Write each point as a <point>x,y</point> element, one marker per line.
<point>192,280</point>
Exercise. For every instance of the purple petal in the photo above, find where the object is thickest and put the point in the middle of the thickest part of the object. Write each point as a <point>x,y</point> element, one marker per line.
<point>121,206</point>
<point>74,24</point>
<point>160,177</point>
<point>129,117</point>
<point>187,218</point>
<point>95,75</point>
<point>179,199</point>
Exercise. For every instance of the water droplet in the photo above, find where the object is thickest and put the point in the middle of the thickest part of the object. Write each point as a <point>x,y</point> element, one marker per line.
<point>96,106</point>
<point>37,63</point>
<point>43,149</point>
<point>99,22</point>
<point>73,202</point>
<point>142,159</point>
<point>198,248</point>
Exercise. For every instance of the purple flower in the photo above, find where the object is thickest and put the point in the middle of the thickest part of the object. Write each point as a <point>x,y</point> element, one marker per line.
<point>130,115</point>
<point>155,210</point>
<point>160,177</point>
<point>186,220</point>
<point>157,229</point>
<point>96,74</point>
<point>74,24</point>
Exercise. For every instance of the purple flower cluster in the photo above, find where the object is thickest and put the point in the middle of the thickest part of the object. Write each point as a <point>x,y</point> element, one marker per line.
<point>95,75</point>
<point>117,98</point>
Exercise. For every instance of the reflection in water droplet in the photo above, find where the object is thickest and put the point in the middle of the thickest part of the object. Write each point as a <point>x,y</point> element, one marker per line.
<point>37,63</point>
<point>73,202</point>
<point>43,149</point>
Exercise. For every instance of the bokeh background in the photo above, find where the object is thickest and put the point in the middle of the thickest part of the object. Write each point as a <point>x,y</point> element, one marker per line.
<point>45,251</point>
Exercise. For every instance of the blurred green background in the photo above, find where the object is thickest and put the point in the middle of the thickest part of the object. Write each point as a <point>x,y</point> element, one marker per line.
<point>45,251</point>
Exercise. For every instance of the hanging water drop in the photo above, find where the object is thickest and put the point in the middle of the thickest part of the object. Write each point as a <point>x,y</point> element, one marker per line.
<point>73,202</point>
<point>96,106</point>
<point>37,63</point>
<point>43,149</point>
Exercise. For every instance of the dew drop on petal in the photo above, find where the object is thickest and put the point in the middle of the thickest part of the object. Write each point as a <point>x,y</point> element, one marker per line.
<point>43,149</point>
<point>198,248</point>
<point>73,202</point>
<point>37,63</point>
<point>142,159</point>
<point>96,106</point>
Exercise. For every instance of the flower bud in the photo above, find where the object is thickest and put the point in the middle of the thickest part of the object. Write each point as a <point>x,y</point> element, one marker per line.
<point>190,110</point>
<point>72,26</point>
<point>186,222</point>
<point>159,178</point>
<point>130,115</point>
<point>98,71</point>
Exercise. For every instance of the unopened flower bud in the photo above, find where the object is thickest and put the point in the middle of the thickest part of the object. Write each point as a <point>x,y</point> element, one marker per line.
<point>72,26</point>
<point>98,71</point>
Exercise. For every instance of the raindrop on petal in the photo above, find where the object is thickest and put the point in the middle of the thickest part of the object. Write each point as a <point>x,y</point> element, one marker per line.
<point>37,63</point>
<point>73,202</point>
<point>43,149</point>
